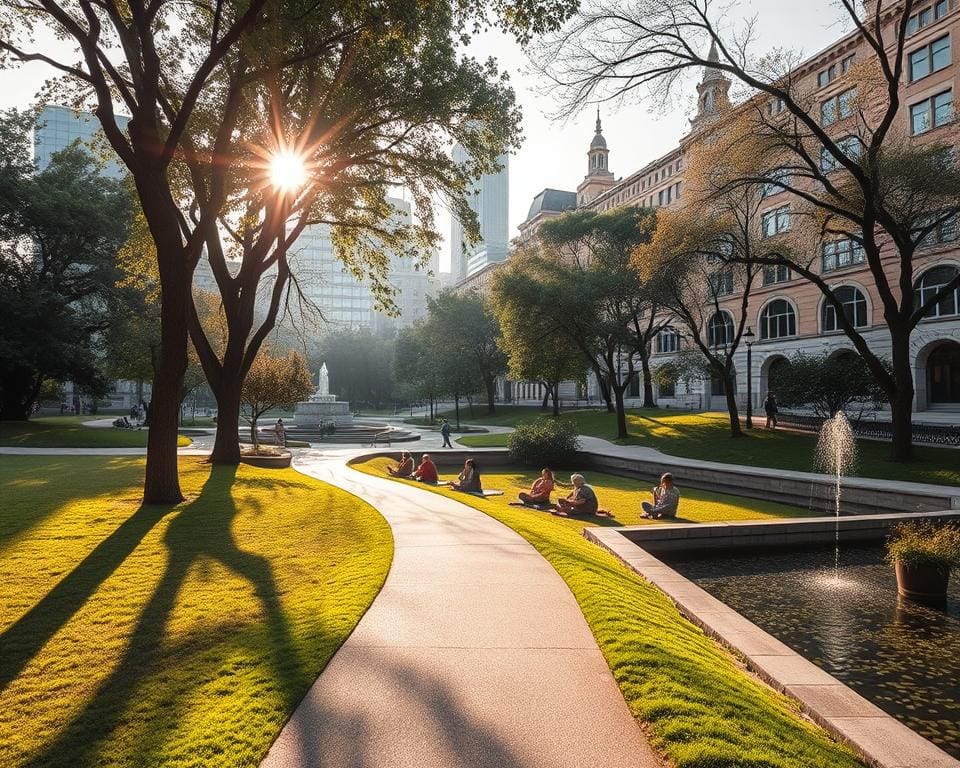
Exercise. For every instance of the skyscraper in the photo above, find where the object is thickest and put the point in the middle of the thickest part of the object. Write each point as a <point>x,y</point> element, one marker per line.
<point>489,198</point>
<point>58,127</point>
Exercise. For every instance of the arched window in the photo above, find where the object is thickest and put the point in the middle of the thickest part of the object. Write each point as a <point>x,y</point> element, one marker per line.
<point>930,283</point>
<point>720,329</point>
<point>778,320</point>
<point>854,309</point>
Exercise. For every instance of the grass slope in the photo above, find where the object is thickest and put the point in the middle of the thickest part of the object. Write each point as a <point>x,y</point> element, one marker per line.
<point>701,709</point>
<point>178,636</point>
<point>706,436</point>
<point>69,432</point>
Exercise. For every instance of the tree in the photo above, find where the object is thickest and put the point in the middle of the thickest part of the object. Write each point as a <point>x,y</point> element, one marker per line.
<point>534,350</point>
<point>274,382</point>
<point>60,230</point>
<point>360,364</point>
<point>828,384</point>
<point>579,279</point>
<point>194,79</point>
<point>465,331</point>
<point>856,176</point>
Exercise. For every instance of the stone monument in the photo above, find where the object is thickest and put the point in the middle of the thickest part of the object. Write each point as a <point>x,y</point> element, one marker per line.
<point>322,408</point>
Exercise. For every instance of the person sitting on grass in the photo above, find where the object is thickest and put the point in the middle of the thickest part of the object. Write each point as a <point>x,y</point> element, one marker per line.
<point>404,468</point>
<point>582,500</point>
<point>469,479</point>
<point>666,499</point>
<point>427,471</point>
<point>539,495</point>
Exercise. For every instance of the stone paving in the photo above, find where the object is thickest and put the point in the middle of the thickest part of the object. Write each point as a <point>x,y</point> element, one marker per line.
<point>475,653</point>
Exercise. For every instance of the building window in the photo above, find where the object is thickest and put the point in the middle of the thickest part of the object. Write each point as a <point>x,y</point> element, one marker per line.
<point>944,232</point>
<point>778,177</point>
<point>777,273</point>
<point>846,63</point>
<point>827,75</point>
<point>720,330</point>
<point>721,283</point>
<point>928,15</point>
<point>668,340</point>
<point>931,113</point>
<point>930,58</point>
<point>850,146</point>
<point>841,253</point>
<point>667,390</point>
<point>854,309</point>
<point>838,107</point>
<point>776,221</point>
<point>932,281</point>
<point>775,107</point>
<point>778,320</point>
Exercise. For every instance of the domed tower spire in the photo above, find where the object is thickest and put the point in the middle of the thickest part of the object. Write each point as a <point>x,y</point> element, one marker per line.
<point>713,91</point>
<point>598,155</point>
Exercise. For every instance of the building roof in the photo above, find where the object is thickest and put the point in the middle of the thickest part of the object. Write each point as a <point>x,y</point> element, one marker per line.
<point>712,73</point>
<point>554,200</point>
<point>598,141</point>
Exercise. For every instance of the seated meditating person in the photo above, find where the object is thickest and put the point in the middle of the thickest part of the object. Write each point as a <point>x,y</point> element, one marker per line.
<point>582,500</point>
<point>469,479</point>
<point>426,471</point>
<point>666,499</point>
<point>404,468</point>
<point>539,495</point>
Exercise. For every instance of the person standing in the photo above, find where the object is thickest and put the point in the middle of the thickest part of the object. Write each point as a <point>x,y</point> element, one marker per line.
<point>281,432</point>
<point>445,431</point>
<point>770,407</point>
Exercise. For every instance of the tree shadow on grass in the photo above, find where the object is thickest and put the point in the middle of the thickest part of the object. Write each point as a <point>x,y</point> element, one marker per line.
<point>201,530</point>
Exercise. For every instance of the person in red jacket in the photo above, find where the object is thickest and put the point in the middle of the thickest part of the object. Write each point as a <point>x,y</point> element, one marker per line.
<point>427,471</point>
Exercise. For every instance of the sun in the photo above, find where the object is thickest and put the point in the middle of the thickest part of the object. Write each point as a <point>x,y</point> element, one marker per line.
<point>288,172</point>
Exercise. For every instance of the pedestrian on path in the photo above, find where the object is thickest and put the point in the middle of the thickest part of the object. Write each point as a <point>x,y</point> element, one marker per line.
<point>770,406</point>
<point>280,431</point>
<point>445,431</point>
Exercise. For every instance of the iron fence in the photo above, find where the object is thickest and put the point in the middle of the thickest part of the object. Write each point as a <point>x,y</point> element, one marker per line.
<point>934,434</point>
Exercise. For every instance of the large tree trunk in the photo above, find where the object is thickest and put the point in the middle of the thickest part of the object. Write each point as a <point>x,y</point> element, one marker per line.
<point>15,402</point>
<point>456,405</point>
<point>162,483</point>
<point>621,411</point>
<point>901,401</point>
<point>491,384</point>
<point>605,391</point>
<point>226,446</point>
<point>546,397</point>
<point>555,389</point>
<point>648,401</point>
<point>734,412</point>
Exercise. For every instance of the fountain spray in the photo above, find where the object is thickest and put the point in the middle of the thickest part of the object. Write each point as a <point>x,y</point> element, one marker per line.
<point>836,455</point>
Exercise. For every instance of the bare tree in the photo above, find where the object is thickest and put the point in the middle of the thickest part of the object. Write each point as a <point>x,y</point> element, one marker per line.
<point>852,171</point>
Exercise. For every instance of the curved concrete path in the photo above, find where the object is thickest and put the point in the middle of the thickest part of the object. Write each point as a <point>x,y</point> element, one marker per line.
<point>474,654</point>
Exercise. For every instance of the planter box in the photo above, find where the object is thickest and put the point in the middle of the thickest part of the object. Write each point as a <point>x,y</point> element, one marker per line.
<point>268,462</point>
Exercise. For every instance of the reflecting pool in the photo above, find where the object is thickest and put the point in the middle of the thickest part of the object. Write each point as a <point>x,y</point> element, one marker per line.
<point>846,617</point>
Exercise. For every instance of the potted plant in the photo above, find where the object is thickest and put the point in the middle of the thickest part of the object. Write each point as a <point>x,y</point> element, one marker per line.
<point>922,554</point>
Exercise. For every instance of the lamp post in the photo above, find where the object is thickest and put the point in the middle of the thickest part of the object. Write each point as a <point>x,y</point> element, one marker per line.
<point>749,336</point>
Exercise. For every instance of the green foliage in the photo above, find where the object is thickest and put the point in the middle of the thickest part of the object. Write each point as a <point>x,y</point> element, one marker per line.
<point>69,432</point>
<point>545,443</point>
<point>133,634</point>
<point>922,542</point>
<point>691,695</point>
<point>60,230</point>
<point>274,382</point>
<point>361,366</point>
<point>826,383</point>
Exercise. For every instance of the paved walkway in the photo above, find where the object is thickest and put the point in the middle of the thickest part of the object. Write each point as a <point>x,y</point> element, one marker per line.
<point>474,654</point>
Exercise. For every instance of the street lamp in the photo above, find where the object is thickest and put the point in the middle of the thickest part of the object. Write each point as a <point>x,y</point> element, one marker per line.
<point>749,336</point>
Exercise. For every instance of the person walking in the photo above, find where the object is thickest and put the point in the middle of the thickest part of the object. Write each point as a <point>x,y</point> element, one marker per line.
<point>771,409</point>
<point>445,431</point>
<point>281,432</point>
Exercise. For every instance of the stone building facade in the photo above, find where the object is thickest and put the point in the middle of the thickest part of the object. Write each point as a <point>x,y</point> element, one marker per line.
<point>786,313</point>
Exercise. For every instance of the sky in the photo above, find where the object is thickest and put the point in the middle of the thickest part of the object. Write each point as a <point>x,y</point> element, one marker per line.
<point>553,153</point>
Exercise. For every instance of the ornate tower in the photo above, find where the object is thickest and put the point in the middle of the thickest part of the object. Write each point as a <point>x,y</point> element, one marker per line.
<point>713,93</point>
<point>598,178</point>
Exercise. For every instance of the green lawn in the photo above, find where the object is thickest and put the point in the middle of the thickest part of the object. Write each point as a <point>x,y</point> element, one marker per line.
<point>707,436</point>
<point>69,432</point>
<point>692,696</point>
<point>184,635</point>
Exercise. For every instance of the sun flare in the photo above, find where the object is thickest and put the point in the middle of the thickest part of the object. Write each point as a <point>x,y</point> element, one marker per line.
<point>287,171</point>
